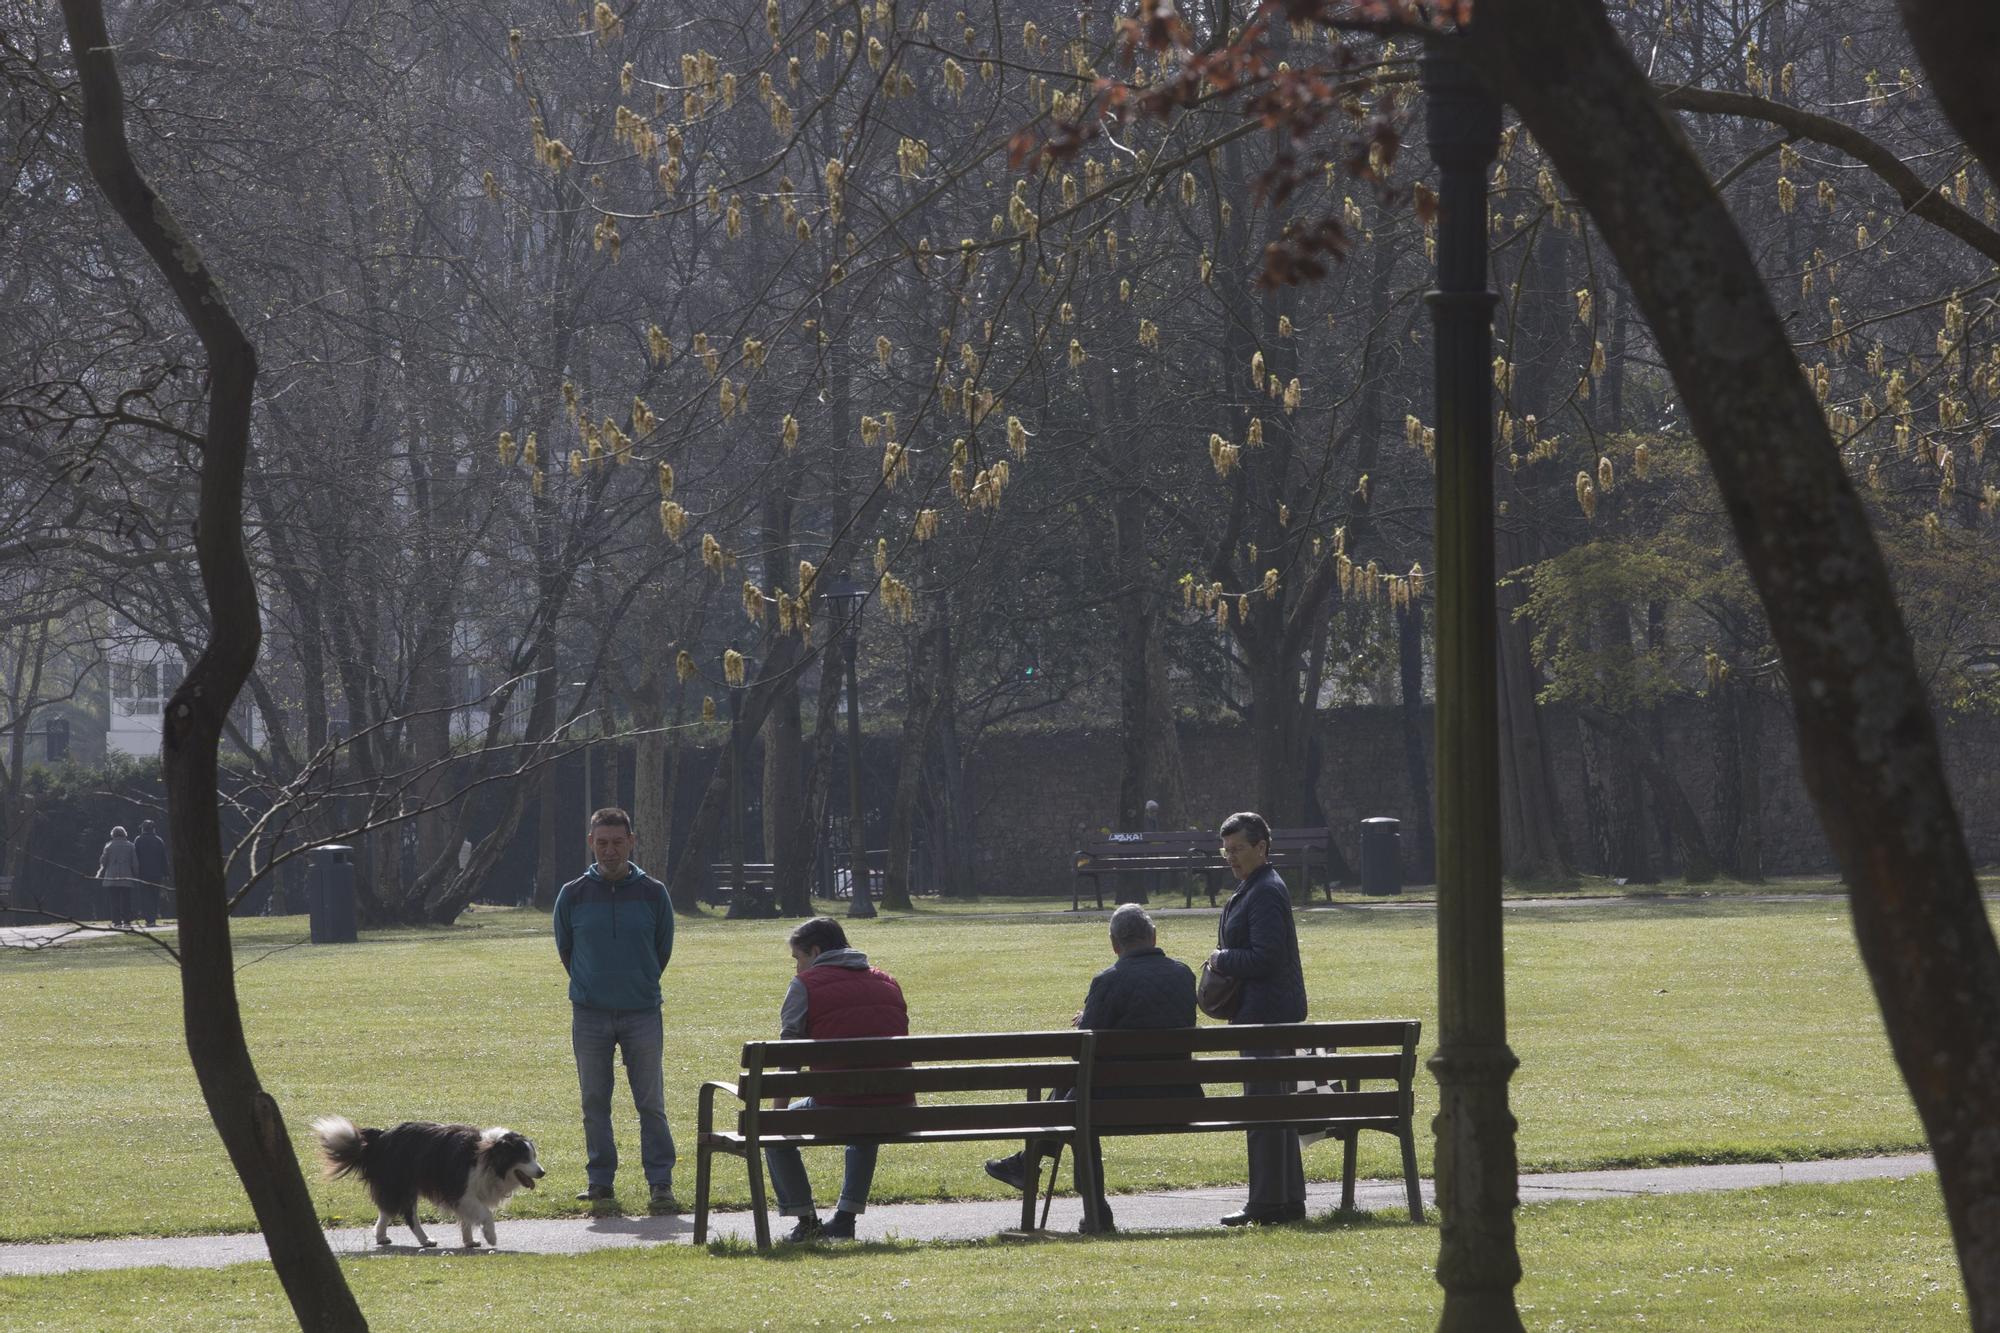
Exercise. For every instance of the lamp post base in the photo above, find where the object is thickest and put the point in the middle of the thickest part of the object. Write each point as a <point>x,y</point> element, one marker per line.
<point>1478,1263</point>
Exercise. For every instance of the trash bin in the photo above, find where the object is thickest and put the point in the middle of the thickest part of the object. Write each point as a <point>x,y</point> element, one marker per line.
<point>1381,855</point>
<point>330,894</point>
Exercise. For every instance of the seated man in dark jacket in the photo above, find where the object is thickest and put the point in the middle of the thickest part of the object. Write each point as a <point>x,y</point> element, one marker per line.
<point>1143,989</point>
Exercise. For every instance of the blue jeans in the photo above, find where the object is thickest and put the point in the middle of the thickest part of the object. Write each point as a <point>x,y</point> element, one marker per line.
<point>594,1034</point>
<point>794,1190</point>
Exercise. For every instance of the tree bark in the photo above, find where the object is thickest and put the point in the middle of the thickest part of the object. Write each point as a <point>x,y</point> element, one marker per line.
<point>912,746</point>
<point>1957,41</point>
<point>1416,751</point>
<point>1629,740</point>
<point>247,1117</point>
<point>1867,741</point>
<point>1533,841</point>
<point>1128,517</point>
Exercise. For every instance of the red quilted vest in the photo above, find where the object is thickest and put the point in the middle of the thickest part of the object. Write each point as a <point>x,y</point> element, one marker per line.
<point>850,1002</point>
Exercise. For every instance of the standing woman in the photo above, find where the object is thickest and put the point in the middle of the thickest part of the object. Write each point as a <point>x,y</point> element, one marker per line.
<point>116,869</point>
<point>1259,944</point>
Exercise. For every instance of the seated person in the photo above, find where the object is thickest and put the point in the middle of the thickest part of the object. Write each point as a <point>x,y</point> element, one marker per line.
<point>835,993</point>
<point>1143,989</point>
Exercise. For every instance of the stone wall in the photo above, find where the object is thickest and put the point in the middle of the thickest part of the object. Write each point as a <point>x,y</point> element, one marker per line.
<point>1039,796</point>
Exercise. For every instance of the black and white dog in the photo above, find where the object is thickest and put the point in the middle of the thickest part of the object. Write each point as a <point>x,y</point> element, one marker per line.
<point>466,1172</point>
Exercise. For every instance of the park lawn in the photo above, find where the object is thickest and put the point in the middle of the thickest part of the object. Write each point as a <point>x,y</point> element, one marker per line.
<point>1662,1032</point>
<point>1866,1256</point>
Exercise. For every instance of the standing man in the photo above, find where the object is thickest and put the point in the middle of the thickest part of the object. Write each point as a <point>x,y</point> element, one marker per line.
<point>1259,942</point>
<point>615,933</point>
<point>834,993</point>
<point>154,870</point>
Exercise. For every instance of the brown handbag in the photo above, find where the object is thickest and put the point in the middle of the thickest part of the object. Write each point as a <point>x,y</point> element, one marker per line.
<point>1218,996</point>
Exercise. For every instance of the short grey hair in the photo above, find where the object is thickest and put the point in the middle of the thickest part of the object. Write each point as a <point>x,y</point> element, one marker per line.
<point>1131,926</point>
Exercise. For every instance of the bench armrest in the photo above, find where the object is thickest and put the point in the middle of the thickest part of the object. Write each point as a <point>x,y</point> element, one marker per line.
<point>705,1098</point>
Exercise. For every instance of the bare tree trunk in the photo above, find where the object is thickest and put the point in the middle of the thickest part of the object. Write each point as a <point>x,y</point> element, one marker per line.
<point>808,824</point>
<point>1533,842</point>
<point>1164,772</point>
<point>1867,741</point>
<point>913,745</point>
<point>549,844</point>
<point>1416,754</point>
<point>248,1119</point>
<point>954,820</point>
<point>1128,516</point>
<point>1749,849</point>
<point>787,840</point>
<point>1727,751</point>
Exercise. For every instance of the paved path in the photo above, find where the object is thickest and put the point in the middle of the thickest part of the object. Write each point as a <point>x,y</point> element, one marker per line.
<point>1421,898</point>
<point>47,937</point>
<point>1177,1210</point>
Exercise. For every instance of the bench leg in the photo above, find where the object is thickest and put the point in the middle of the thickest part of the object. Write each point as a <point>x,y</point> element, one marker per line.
<point>1087,1186</point>
<point>755,1158</point>
<point>1348,1154</point>
<point>1031,1164</point>
<point>1410,1182</point>
<point>702,1159</point>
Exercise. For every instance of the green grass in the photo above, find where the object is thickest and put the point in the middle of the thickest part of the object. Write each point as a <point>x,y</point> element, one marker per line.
<point>1662,1032</point>
<point>1866,1256</point>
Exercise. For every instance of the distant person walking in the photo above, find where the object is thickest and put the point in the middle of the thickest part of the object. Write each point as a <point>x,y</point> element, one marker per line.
<point>614,933</point>
<point>117,867</point>
<point>155,871</point>
<point>1258,942</point>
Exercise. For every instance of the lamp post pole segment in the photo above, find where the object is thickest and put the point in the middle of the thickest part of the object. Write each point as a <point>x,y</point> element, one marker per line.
<point>1479,1264</point>
<point>859,903</point>
<point>741,904</point>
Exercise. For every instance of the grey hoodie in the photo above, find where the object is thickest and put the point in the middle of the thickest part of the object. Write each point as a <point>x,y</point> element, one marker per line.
<point>792,1015</point>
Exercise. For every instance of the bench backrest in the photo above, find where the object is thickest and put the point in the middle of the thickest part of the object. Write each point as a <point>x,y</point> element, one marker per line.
<point>1195,842</point>
<point>1100,1064</point>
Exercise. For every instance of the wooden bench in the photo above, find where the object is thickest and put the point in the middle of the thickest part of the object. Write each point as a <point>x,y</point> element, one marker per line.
<point>760,877</point>
<point>1193,852</point>
<point>1000,1078</point>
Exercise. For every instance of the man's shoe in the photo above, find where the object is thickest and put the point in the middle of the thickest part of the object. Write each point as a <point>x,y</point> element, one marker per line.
<point>662,1200</point>
<point>838,1227</point>
<point>808,1229</point>
<point>596,1194</point>
<point>1106,1226</point>
<point>1009,1171</point>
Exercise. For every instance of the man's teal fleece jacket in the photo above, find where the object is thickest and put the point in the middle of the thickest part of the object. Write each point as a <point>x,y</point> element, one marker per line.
<point>614,939</point>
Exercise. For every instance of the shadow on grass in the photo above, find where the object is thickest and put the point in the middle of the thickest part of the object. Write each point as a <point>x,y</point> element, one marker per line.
<point>734,1247</point>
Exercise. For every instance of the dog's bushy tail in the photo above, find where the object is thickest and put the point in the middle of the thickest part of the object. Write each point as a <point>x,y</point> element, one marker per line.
<point>342,1147</point>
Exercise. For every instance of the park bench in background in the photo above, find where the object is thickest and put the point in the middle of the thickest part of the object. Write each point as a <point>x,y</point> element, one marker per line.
<point>1193,852</point>
<point>1364,1073</point>
<point>761,878</point>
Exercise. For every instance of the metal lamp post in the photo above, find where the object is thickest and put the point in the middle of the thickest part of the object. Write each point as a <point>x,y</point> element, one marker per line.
<point>846,597</point>
<point>741,902</point>
<point>1478,1262</point>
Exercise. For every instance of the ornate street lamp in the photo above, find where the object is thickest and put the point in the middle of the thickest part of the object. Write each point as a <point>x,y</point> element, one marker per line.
<point>845,598</point>
<point>1478,1262</point>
